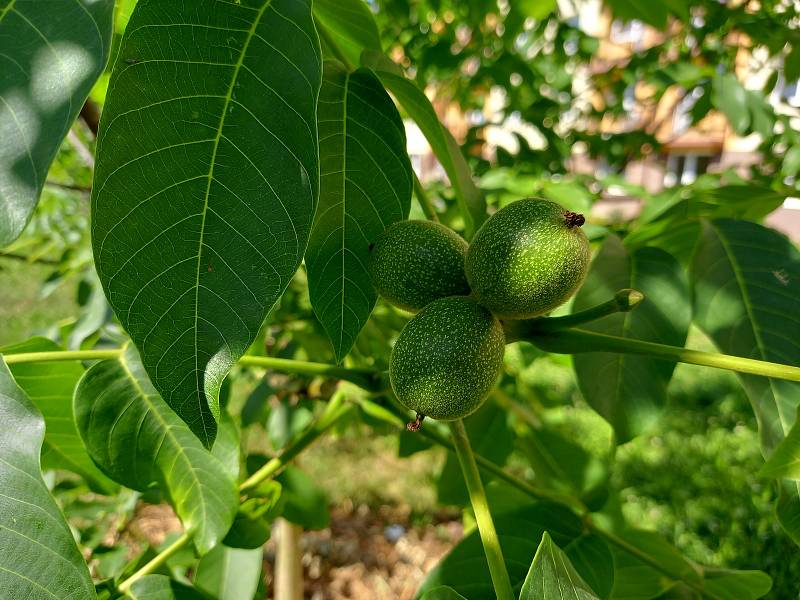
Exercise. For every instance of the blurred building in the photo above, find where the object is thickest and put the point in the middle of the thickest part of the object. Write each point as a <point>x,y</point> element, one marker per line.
<point>686,150</point>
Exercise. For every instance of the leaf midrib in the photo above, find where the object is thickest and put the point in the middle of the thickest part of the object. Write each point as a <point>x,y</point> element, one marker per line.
<point>344,207</point>
<point>178,447</point>
<point>228,97</point>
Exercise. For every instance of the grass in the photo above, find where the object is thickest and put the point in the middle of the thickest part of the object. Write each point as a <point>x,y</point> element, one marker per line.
<point>23,310</point>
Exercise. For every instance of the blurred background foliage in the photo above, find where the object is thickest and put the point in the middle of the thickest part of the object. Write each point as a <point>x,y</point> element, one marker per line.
<point>528,91</point>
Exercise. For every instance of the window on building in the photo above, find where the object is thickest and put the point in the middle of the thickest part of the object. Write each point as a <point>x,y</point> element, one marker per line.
<point>631,32</point>
<point>791,93</point>
<point>684,168</point>
<point>682,119</point>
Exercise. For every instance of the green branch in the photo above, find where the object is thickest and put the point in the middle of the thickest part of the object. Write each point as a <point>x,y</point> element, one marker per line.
<point>623,301</point>
<point>365,378</point>
<point>423,199</point>
<point>57,355</point>
<point>334,411</point>
<point>477,496</point>
<point>573,341</point>
<point>155,563</point>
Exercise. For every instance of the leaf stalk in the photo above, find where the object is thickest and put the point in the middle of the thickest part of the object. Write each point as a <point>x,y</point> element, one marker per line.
<point>477,496</point>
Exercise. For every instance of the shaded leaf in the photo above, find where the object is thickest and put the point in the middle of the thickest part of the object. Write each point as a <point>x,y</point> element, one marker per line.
<point>136,439</point>
<point>785,459</point>
<point>350,24</point>
<point>491,436</point>
<point>365,179</point>
<point>50,386</point>
<point>38,555</point>
<point>229,573</point>
<point>305,503</point>
<point>161,587</point>
<point>552,576</point>
<point>416,104</point>
<point>630,391</point>
<point>206,184</point>
<point>51,53</point>
<point>571,450</point>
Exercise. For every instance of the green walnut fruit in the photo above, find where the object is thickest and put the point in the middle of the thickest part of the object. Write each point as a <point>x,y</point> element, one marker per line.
<point>447,359</point>
<point>527,259</point>
<point>415,262</point>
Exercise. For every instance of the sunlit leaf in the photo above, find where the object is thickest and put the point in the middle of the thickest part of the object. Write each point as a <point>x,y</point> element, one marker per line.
<point>365,187</point>
<point>552,576</point>
<point>51,53</point>
<point>206,184</point>
<point>349,24</point>
<point>136,439</point>
<point>38,555</point>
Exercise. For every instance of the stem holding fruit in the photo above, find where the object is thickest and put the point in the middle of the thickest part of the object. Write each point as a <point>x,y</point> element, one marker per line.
<point>477,496</point>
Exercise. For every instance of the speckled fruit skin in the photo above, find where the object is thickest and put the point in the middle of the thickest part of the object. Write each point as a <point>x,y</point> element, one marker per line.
<point>414,263</point>
<point>447,358</point>
<point>526,260</point>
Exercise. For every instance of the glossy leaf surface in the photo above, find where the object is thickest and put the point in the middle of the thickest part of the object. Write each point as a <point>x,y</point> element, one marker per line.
<point>206,184</point>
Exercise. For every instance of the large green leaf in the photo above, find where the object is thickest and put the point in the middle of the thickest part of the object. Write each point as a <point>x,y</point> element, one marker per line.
<point>746,284</point>
<point>161,587</point>
<point>552,576</point>
<point>520,533</point>
<point>365,179</point>
<point>51,53</point>
<point>349,24</point>
<point>630,391</point>
<point>444,146</point>
<point>38,555</point>
<point>206,184</point>
<point>229,573</point>
<point>136,439</point>
<point>50,386</point>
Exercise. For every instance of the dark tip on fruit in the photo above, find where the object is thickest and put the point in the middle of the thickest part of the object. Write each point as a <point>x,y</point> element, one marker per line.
<point>371,246</point>
<point>574,219</point>
<point>416,424</point>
